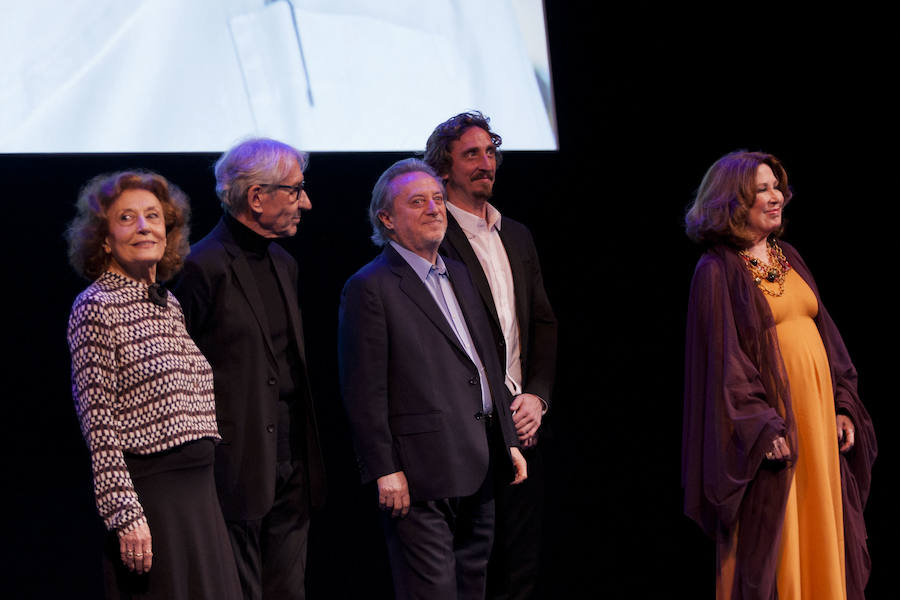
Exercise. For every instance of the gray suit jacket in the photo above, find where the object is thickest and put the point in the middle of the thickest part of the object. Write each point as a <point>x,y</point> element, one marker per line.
<point>411,391</point>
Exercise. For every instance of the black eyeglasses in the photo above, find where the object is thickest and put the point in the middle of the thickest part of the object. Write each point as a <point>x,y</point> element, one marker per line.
<point>293,190</point>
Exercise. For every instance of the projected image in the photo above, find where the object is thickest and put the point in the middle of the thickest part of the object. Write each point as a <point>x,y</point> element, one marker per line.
<point>323,75</point>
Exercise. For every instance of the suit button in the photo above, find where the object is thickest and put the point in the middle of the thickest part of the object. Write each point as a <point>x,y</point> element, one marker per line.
<point>272,381</point>
<point>473,381</point>
<point>502,342</point>
<point>270,428</point>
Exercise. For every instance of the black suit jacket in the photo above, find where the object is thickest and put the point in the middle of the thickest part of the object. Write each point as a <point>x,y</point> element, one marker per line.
<point>225,316</point>
<point>537,323</point>
<point>411,391</point>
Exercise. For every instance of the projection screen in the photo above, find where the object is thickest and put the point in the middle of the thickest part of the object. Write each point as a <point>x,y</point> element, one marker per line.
<point>323,75</point>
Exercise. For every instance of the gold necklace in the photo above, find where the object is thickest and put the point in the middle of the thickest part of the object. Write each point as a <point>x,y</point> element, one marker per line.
<point>774,272</point>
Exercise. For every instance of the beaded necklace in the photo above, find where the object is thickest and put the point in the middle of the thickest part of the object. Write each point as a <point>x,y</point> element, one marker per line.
<point>773,272</point>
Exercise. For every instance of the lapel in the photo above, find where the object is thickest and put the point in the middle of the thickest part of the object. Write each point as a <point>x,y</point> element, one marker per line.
<point>246,283</point>
<point>292,304</point>
<point>415,289</point>
<point>458,272</point>
<point>457,238</point>
<point>519,277</point>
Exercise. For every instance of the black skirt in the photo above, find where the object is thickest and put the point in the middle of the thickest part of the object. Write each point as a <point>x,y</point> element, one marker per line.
<point>192,556</point>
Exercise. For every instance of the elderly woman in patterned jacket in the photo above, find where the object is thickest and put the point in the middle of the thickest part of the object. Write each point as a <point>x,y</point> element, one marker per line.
<point>144,394</point>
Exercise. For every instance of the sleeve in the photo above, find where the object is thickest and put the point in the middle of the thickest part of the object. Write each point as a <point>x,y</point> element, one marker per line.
<point>363,364</point>
<point>847,401</point>
<point>856,464</point>
<point>92,346</point>
<point>542,351</point>
<point>729,421</point>
<point>844,381</point>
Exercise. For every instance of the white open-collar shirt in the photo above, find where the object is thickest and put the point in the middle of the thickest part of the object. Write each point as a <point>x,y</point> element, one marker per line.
<point>484,236</point>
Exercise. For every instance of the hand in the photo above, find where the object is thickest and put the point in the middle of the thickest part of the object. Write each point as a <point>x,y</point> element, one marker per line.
<point>527,410</point>
<point>845,432</point>
<point>136,549</point>
<point>530,442</point>
<point>393,494</point>
<point>780,450</point>
<point>519,466</point>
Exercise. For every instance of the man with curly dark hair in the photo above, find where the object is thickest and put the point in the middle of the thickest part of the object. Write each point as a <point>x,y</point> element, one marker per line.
<point>503,262</point>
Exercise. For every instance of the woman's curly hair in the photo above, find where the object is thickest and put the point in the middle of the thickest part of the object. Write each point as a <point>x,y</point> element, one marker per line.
<point>87,233</point>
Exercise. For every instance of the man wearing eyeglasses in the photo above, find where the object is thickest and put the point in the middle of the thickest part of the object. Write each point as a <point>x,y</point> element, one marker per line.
<point>239,295</point>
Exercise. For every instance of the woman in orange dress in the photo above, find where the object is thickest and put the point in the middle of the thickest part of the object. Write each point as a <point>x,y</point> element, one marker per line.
<point>777,447</point>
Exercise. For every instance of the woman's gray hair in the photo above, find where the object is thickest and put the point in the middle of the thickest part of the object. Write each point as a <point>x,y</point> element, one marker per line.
<point>255,161</point>
<point>382,194</point>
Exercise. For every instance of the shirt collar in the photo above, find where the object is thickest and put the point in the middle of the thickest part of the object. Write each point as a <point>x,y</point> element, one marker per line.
<point>421,266</point>
<point>473,224</point>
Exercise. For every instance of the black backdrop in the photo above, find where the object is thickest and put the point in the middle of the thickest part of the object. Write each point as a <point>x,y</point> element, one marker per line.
<point>646,101</point>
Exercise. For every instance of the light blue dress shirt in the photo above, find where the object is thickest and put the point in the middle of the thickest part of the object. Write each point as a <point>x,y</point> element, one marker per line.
<point>438,283</point>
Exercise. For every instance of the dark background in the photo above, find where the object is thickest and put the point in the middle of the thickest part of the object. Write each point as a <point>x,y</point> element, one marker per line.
<point>646,101</point>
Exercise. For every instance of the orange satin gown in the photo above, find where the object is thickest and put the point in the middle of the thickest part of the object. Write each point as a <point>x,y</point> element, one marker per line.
<point>811,560</point>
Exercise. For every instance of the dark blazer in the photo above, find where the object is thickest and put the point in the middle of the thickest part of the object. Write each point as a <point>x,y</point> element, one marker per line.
<point>410,390</point>
<point>537,323</point>
<point>225,316</point>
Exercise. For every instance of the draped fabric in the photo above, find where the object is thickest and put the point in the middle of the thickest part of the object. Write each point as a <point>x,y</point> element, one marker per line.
<point>737,401</point>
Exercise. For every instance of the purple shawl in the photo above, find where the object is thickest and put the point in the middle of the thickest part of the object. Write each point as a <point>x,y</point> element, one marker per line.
<point>736,402</point>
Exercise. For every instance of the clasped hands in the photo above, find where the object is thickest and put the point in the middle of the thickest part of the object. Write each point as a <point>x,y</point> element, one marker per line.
<point>845,432</point>
<point>527,411</point>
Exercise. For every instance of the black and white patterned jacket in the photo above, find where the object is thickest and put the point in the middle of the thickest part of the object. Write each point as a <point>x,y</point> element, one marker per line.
<point>140,386</point>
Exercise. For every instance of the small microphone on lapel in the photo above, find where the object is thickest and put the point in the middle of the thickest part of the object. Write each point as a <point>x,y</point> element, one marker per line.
<point>158,294</point>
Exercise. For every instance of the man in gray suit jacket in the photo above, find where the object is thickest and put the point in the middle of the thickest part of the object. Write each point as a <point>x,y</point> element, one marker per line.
<point>239,294</point>
<point>424,394</point>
